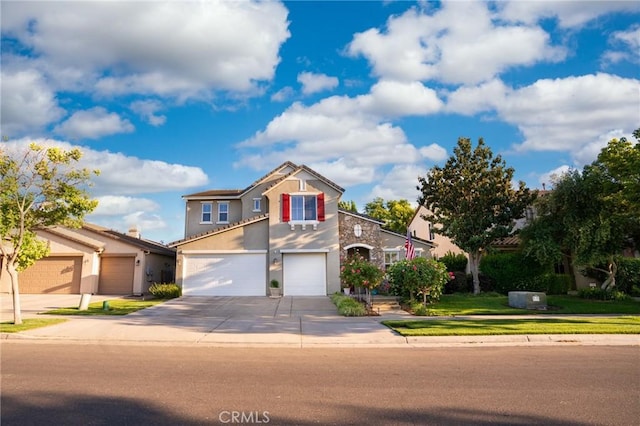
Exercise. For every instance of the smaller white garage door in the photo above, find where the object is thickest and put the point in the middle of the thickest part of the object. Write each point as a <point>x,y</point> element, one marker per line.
<point>304,274</point>
<point>238,274</point>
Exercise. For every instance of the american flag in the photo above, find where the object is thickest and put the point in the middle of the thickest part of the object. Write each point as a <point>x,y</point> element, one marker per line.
<point>408,245</point>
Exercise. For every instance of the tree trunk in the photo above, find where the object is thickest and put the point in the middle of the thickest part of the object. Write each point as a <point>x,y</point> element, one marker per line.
<point>610,282</point>
<point>474,263</point>
<point>13,274</point>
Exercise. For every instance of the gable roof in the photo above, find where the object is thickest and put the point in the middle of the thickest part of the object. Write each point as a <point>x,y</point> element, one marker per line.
<point>140,243</point>
<point>72,235</point>
<point>360,216</point>
<point>219,230</point>
<point>237,193</point>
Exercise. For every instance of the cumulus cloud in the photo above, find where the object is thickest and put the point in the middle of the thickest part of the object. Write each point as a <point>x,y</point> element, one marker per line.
<point>93,123</point>
<point>147,109</point>
<point>551,176</point>
<point>418,46</point>
<point>626,46</point>
<point>569,14</point>
<point>314,83</point>
<point>119,205</point>
<point>565,113</point>
<point>27,102</point>
<point>283,94</point>
<point>180,49</point>
<point>121,174</point>
<point>399,183</point>
<point>433,152</point>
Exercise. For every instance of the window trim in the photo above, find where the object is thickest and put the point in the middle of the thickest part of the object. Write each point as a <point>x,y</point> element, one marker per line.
<point>223,203</point>
<point>304,209</point>
<point>257,205</point>
<point>202,212</point>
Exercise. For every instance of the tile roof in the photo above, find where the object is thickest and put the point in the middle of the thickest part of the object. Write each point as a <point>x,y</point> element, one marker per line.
<point>243,222</point>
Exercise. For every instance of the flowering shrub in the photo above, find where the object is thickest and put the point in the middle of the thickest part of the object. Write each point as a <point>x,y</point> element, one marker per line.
<point>419,276</point>
<point>358,272</point>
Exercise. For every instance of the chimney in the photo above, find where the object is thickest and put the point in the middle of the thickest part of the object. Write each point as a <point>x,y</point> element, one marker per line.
<point>133,232</point>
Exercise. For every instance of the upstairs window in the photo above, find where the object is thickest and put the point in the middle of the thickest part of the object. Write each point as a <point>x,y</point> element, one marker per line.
<point>207,208</point>
<point>223,212</point>
<point>256,205</point>
<point>302,208</point>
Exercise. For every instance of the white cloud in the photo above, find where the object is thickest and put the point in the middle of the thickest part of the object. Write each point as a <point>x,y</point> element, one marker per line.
<point>27,103</point>
<point>314,83</point>
<point>470,100</point>
<point>443,46</point>
<point>627,44</point>
<point>180,49</point>
<point>121,174</point>
<point>565,114</point>
<point>398,99</point>
<point>93,123</point>
<point>399,183</point>
<point>283,94</point>
<point>570,14</point>
<point>551,176</point>
<point>147,109</point>
<point>433,152</point>
<point>119,205</point>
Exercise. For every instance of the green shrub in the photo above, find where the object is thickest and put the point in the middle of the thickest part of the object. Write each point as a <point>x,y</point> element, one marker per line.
<point>419,309</point>
<point>597,293</point>
<point>165,291</point>
<point>558,283</point>
<point>418,277</point>
<point>359,272</point>
<point>513,271</point>
<point>628,274</point>
<point>347,306</point>
<point>459,284</point>
<point>454,262</point>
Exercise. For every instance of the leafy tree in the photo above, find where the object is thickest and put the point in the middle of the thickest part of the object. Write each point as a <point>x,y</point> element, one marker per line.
<point>348,206</point>
<point>419,276</point>
<point>473,200</point>
<point>39,187</point>
<point>591,215</point>
<point>396,214</point>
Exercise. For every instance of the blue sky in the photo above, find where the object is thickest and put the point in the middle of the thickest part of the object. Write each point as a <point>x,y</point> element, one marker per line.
<point>172,98</point>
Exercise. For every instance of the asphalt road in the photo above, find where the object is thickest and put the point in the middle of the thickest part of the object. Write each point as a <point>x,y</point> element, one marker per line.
<point>46,383</point>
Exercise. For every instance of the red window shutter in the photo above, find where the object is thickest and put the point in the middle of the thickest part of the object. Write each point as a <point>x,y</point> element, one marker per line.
<point>286,209</point>
<point>320,200</point>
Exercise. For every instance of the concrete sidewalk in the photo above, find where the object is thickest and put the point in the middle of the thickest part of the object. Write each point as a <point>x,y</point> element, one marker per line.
<point>262,322</point>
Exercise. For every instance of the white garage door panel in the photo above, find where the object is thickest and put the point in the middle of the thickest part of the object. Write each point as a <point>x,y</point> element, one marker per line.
<point>305,274</point>
<point>225,275</point>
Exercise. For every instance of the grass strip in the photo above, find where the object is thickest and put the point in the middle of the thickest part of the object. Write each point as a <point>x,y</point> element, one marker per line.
<point>491,304</point>
<point>480,327</point>
<point>116,307</point>
<point>29,324</point>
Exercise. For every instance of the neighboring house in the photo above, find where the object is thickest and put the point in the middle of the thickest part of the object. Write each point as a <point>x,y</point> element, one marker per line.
<point>96,260</point>
<point>285,226</point>
<point>423,229</point>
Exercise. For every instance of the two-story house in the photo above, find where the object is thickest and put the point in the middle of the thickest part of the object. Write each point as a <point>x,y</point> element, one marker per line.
<point>285,226</point>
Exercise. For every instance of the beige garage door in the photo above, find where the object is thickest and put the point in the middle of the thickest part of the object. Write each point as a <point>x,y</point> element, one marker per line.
<point>57,274</point>
<point>116,275</point>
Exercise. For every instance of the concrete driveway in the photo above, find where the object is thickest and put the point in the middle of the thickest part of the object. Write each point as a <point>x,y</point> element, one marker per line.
<point>33,304</point>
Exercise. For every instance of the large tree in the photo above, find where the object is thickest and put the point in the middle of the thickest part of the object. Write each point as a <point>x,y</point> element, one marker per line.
<point>591,215</point>
<point>396,214</point>
<point>472,200</point>
<point>39,187</point>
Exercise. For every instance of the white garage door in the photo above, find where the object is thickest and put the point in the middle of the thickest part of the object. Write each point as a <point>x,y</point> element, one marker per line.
<point>305,274</point>
<point>242,274</point>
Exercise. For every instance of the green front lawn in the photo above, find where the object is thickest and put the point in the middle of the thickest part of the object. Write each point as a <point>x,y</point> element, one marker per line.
<point>29,324</point>
<point>479,327</point>
<point>491,304</point>
<point>116,307</point>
